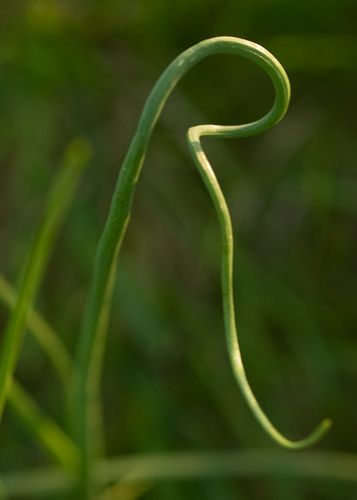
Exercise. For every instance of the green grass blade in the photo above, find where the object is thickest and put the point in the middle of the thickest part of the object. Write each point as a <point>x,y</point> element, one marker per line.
<point>3,492</point>
<point>41,482</point>
<point>42,332</point>
<point>57,204</point>
<point>244,463</point>
<point>127,491</point>
<point>52,438</point>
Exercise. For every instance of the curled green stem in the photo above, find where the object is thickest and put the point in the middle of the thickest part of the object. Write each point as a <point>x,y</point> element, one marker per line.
<point>222,210</point>
<point>92,338</point>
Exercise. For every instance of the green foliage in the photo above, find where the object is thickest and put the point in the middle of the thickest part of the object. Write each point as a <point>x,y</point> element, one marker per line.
<point>84,70</point>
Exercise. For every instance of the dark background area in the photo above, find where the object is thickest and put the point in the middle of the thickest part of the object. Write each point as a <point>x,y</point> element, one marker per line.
<point>84,69</point>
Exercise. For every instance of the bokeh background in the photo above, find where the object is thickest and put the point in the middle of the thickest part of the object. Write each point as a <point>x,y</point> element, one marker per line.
<point>84,69</point>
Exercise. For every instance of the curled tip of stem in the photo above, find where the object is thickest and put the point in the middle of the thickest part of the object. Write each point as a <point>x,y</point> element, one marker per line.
<point>282,95</point>
<point>314,437</point>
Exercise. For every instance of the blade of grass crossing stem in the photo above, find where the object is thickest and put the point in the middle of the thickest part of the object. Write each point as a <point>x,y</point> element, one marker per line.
<point>3,492</point>
<point>42,332</point>
<point>124,491</point>
<point>48,433</point>
<point>331,466</point>
<point>57,204</point>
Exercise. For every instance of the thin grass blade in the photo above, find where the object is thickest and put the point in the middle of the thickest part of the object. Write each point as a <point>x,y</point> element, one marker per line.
<point>52,438</point>
<point>42,332</point>
<point>57,205</point>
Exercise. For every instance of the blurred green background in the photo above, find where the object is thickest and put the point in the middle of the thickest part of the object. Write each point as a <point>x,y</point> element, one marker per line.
<point>84,68</point>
